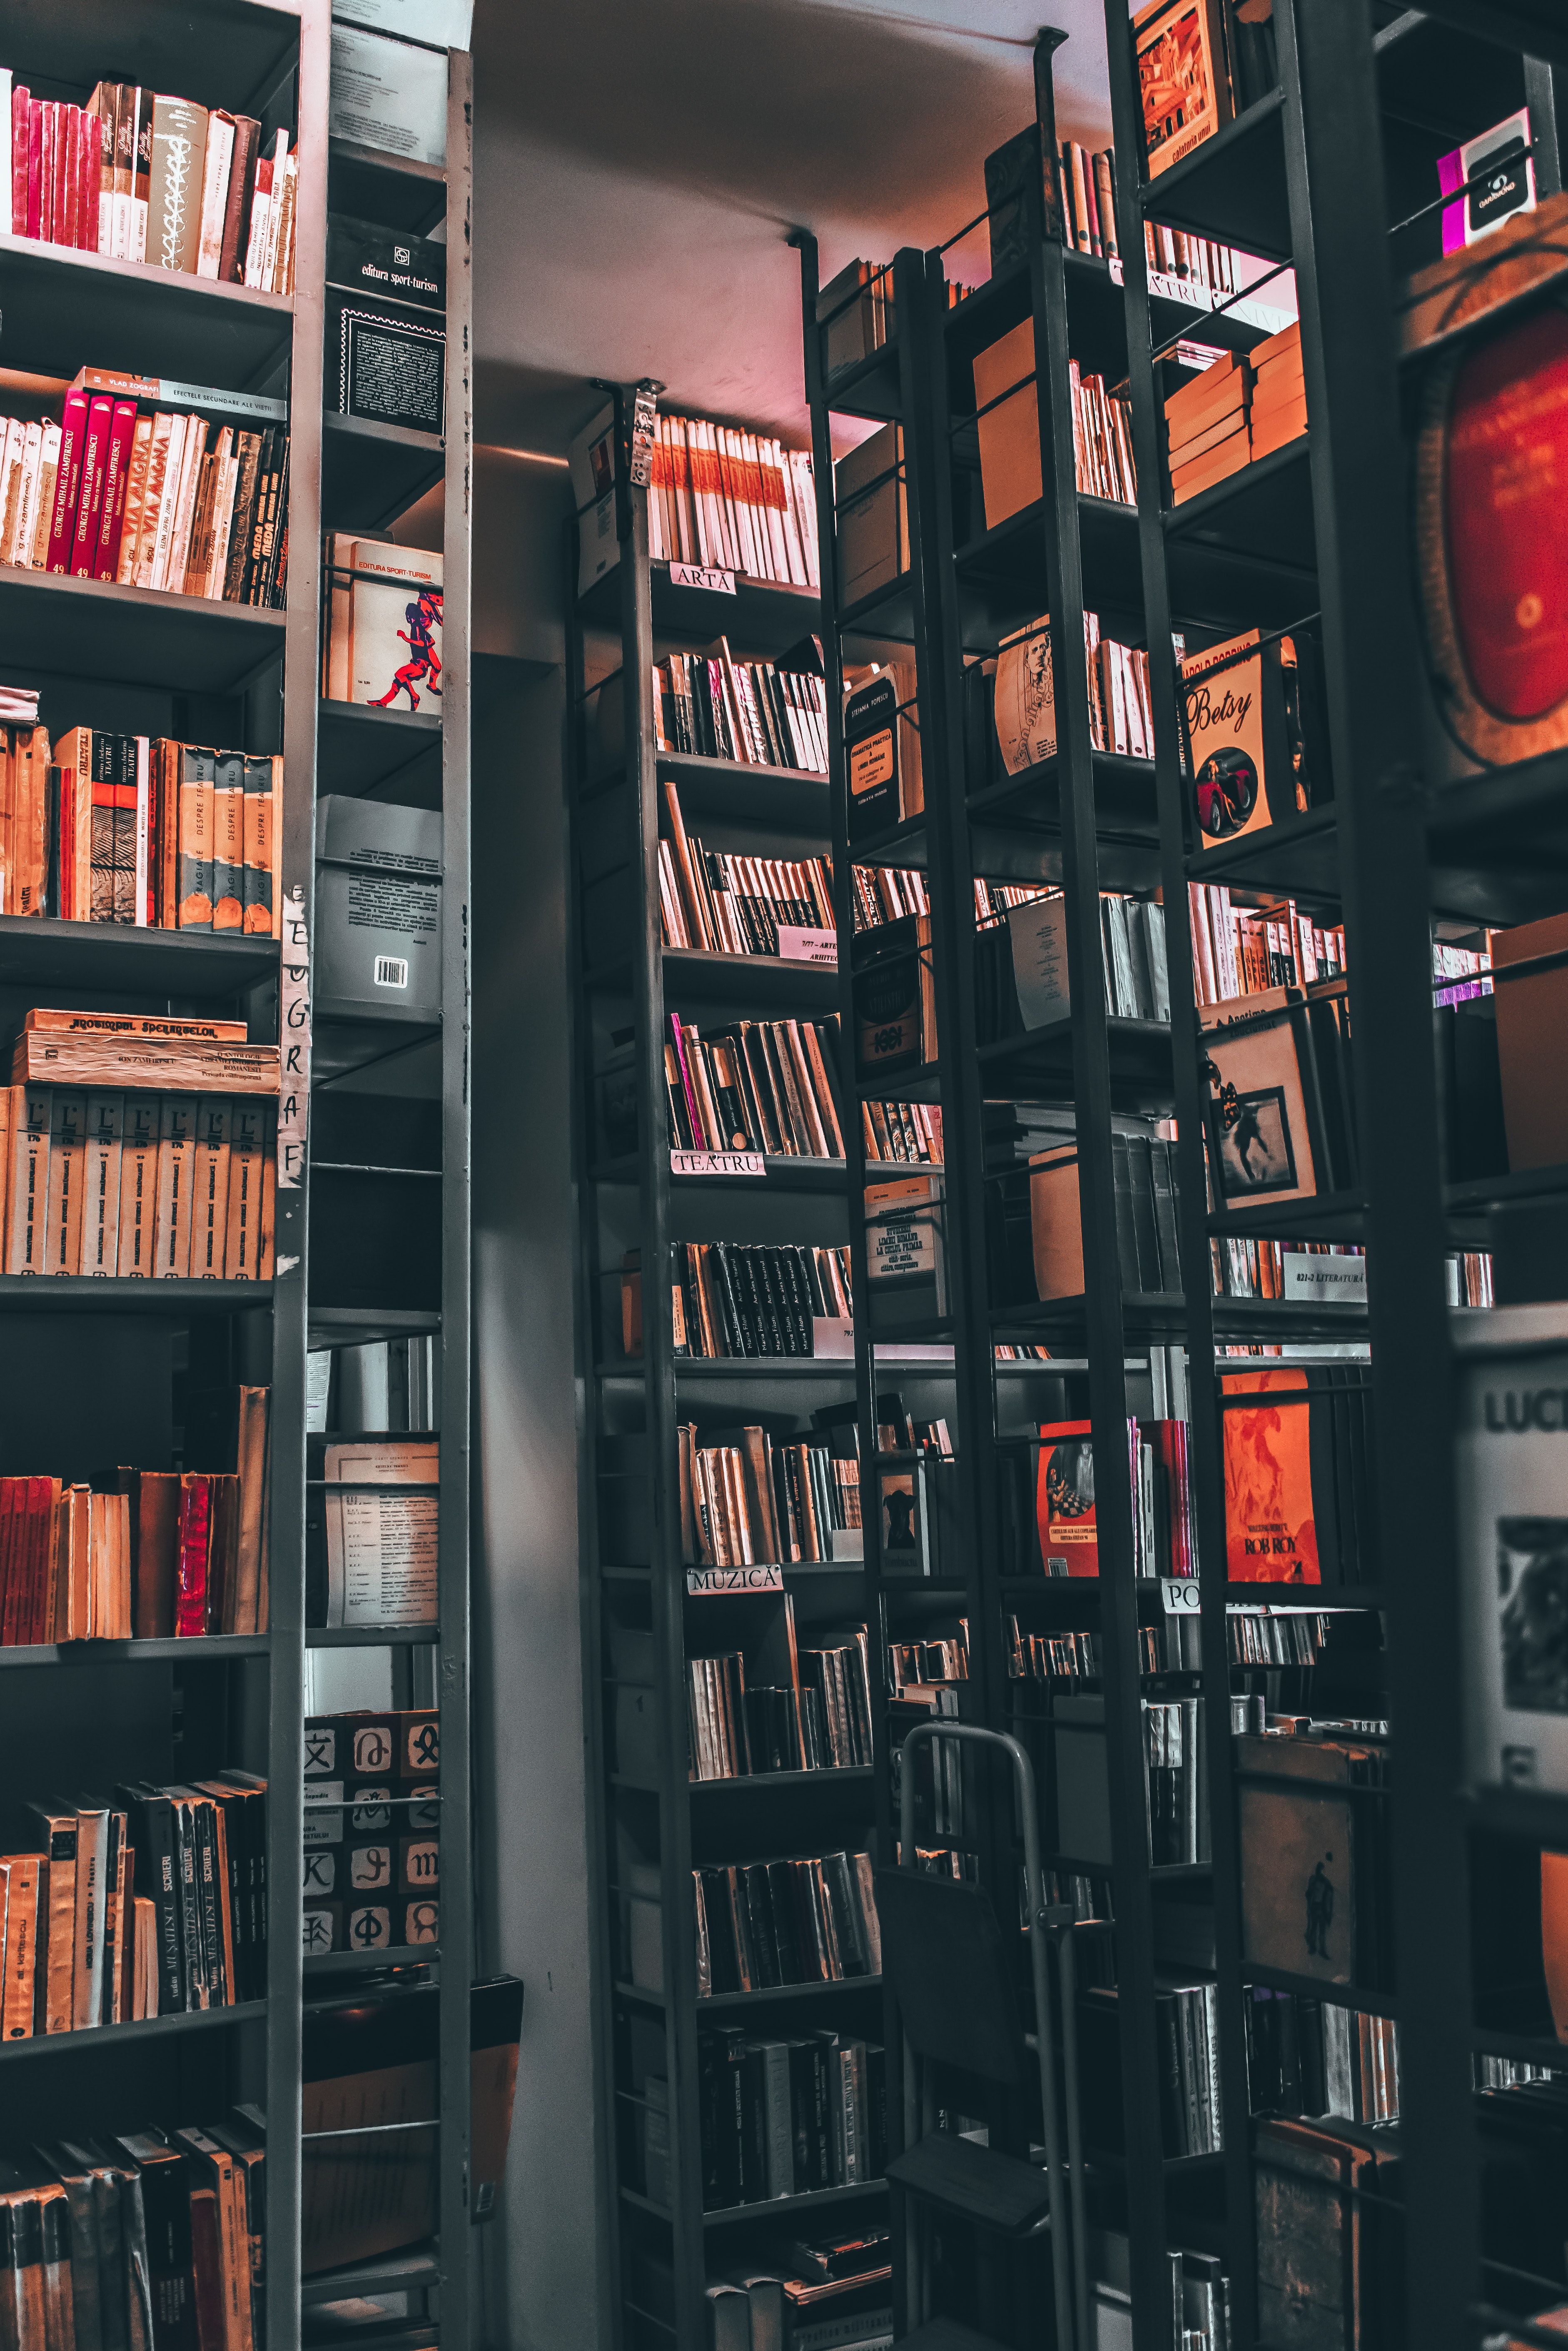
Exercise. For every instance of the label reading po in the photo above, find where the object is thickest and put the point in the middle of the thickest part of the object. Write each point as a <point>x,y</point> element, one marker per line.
<point>800,944</point>
<point>1179,1595</point>
<point>705,1583</point>
<point>693,575</point>
<point>717,1163</point>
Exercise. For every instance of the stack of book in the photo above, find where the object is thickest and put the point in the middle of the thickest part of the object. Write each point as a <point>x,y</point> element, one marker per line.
<point>829,2295</point>
<point>885,893</point>
<point>761,713</point>
<point>135,176</point>
<point>732,501</point>
<point>153,1904</point>
<point>178,1184</point>
<point>788,2117</point>
<point>170,2222</point>
<point>1279,392</point>
<point>372,1829</point>
<point>1207,426</point>
<point>730,905</point>
<point>149,496</point>
<point>127,829</point>
<point>761,1923</point>
<point>757,1085</point>
<point>906,1131</point>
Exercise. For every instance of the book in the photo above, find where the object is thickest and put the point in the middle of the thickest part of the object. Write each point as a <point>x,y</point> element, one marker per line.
<point>1184,89</point>
<point>384,637</point>
<point>381,1544</point>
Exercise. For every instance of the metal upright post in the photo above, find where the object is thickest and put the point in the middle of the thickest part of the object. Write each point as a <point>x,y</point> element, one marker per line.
<point>453,1679</point>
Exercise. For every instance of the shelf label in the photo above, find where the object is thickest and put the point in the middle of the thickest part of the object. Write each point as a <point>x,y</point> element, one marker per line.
<point>798,943</point>
<point>717,1163</point>
<point>705,1583</point>
<point>692,575</point>
<point>833,1335</point>
<point>644,414</point>
<point>1179,1595</point>
<point>1326,1280</point>
<point>294,1028</point>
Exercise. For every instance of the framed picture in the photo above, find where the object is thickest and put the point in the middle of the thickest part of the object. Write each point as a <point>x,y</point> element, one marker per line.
<point>1252,1142</point>
<point>1261,1102</point>
<point>1182,86</point>
<point>905,1521</point>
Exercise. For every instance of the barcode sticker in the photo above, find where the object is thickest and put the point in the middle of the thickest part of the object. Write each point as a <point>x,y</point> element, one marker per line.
<point>392,971</point>
<point>800,944</point>
<point>705,1583</point>
<point>692,575</point>
<point>717,1163</point>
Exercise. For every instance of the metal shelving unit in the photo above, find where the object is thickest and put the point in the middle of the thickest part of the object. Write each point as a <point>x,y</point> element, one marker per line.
<point>92,1369</point>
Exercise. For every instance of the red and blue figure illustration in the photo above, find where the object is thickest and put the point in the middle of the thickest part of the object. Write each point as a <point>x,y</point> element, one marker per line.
<point>424,662</point>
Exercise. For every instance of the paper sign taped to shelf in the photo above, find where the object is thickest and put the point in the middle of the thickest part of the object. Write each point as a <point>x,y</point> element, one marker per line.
<point>833,1335</point>
<point>439,24</point>
<point>707,1582</point>
<point>800,944</point>
<point>1179,1595</point>
<point>293,1031</point>
<point>692,575</point>
<point>1327,1280</point>
<point>717,1163</point>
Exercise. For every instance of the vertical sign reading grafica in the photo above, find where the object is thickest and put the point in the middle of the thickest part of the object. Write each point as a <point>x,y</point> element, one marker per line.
<point>294,1037</point>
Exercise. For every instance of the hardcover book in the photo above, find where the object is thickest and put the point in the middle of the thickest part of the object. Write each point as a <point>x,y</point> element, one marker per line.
<point>1182,81</point>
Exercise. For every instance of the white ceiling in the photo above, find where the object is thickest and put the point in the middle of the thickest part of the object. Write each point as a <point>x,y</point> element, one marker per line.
<point>637,169</point>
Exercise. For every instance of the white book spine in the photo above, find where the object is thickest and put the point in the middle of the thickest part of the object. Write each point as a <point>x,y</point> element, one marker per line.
<point>215,194</point>
<point>143,831</point>
<point>32,475</point>
<point>169,499</point>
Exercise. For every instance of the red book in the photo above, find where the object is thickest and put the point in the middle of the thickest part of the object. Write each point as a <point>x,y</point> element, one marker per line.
<point>52,171</point>
<point>20,117</point>
<point>91,177</point>
<point>33,1611</point>
<point>37,115</point>
<point>1064,1500</point>
<point>13,1626</point>
<point>115,469</point>
<point>207,2269</point>
<point>67,482</point>
<point>67,202</point>
<point>89,498</point>
<point>7,1523</point>
<point>195,1542</point>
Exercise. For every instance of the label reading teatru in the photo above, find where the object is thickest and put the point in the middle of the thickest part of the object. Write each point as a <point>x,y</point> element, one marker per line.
<point>800,944</point>
<point>1327,1280</point>
<point>692,575</point>
<point>717,1163</point>
<point>705,1583</point>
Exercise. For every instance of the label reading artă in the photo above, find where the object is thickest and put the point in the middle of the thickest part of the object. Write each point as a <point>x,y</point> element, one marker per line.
<point>1326,1280</point>
<point>707,1582</point>
<point>692,575</point>
<point>717,1163</point>
<point>800,944</point>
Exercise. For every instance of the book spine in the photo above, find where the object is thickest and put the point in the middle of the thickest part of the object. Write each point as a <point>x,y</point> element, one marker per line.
<point>68,481</point>
<point>197,811</point>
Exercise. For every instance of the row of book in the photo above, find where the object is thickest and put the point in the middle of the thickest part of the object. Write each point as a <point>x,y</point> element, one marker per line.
<point>748,1500</point>
<point>940,1656</point>
<point>759,1299</point>
<point>724,904</point>
<point>1102,441</point>
<point>138,830</point>
<point>1193,261</point>
<point>757,1085</point>
<point>383,613</point>
<point>1243,950</point>
<point>740,1731</point>
<point>138,1186</point>
<point>169,1555</point>
<point>761,713</point>
<point>1121,712</point>
<point>153,1904</point>
<point>761,1923</point>
<point>136,175</point>
<point>147,2237</point>
<point>1021,964</point>
<point>1146,1200</point>
<point>731,501</point>
<point>1467,1277</point>
<point>1308,2056</point>
<point>123,489</point>
<point>1255,1269</point>
<point>1186,2028</point>
<point>788,2117</point>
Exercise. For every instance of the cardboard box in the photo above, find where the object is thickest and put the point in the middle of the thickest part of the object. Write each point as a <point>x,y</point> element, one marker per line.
<point>1009,432</point>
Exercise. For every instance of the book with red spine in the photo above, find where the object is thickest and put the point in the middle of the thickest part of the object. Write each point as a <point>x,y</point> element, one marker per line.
<point>67,178</point>
<point>36,117</point>
<point>68,481</point>
<point>21,119</point>
<point>194,1547</point>
<point>116,470</point>
<point>89,496</point>
<point>87,215</point>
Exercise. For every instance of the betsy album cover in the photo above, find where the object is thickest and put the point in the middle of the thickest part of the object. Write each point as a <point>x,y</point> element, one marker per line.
<point>1511,1473</point>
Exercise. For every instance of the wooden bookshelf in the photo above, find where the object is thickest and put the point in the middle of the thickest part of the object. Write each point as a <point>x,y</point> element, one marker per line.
<point>110,1356</point>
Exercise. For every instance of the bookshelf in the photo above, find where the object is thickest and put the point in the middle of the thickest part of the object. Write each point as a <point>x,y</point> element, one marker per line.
<point>97,1372</point>
<point>1320,174</point>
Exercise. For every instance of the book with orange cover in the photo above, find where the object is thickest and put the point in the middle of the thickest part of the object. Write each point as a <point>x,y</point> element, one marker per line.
<point>1270,1529</point>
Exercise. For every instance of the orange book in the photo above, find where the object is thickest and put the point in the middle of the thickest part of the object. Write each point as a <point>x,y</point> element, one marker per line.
<point>1270,1533</point>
